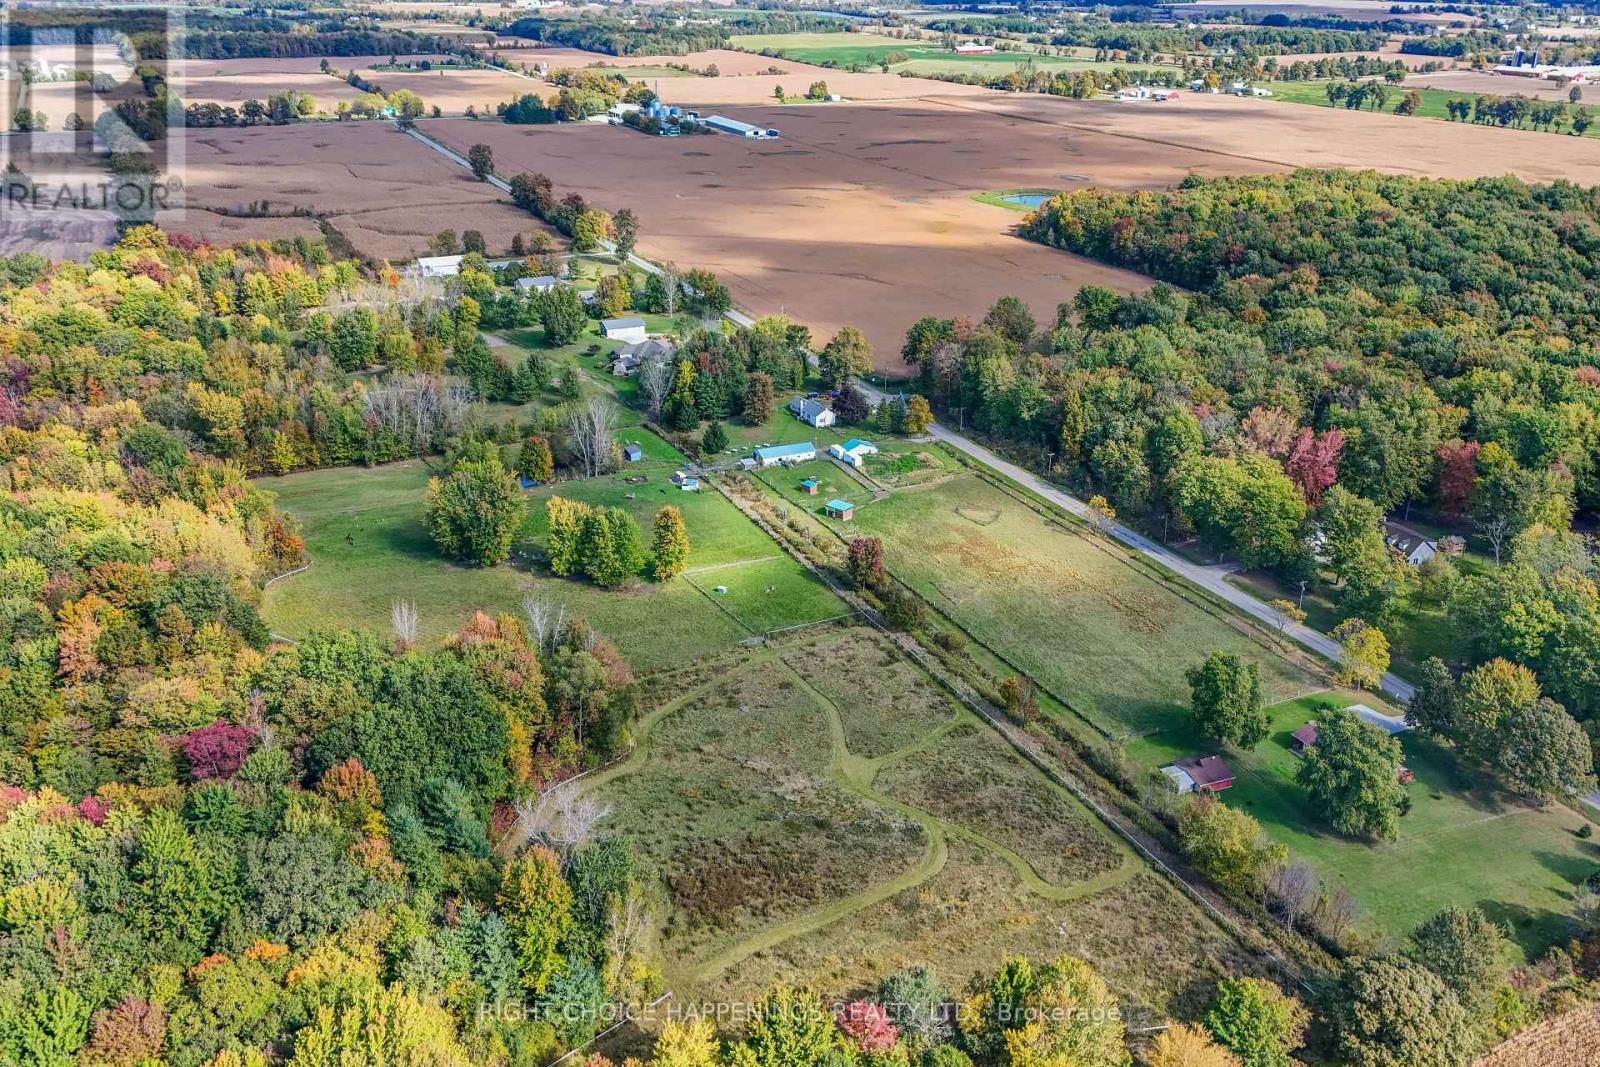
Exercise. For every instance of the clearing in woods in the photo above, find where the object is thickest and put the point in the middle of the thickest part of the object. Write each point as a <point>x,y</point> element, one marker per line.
<point>1099,632</point>
<point>799,801</point>
<point>369,547</point>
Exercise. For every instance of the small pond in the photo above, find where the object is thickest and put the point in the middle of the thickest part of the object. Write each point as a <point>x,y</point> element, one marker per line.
<point>1028,200</point>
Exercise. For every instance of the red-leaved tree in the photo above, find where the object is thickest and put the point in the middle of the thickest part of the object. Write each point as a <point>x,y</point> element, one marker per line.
<point>866,562</point>
<point>869,1026</point>
<point>1458,475</point>
<point>1313,462</point>
<point>218,750</point>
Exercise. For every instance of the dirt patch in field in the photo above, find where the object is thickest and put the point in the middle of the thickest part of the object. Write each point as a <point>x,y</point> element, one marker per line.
<point>1477,81</point>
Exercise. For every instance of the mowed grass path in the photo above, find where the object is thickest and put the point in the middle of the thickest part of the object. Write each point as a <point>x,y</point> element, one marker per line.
<point>369,547</point>
<point>1099,632</point>
<point>755,796</point>
<point>1461,842</point>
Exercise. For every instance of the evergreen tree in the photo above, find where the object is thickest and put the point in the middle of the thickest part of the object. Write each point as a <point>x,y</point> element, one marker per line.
<point>714,440</point>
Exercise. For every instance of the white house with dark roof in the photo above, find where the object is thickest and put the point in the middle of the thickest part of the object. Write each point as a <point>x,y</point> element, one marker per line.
<point>1411,546</point>
<point>812,412</point>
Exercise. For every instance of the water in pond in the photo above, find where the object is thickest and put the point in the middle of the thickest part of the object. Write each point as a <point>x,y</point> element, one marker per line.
<point>1027,199</point>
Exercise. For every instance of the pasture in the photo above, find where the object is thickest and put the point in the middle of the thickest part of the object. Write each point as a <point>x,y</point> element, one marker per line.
<point>369,547</point>
<point>800,807</point>
<point>1460,843</point>
<point>1096,631</point>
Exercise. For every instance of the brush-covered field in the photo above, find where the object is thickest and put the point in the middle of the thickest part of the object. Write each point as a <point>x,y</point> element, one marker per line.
<point>820,808</point>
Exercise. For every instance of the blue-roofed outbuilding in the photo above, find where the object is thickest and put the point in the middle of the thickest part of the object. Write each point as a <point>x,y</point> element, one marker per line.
<point>799,452</point>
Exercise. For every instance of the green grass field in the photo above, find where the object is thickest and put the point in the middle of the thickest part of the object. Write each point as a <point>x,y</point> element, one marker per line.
<point>867,51</point>
<point>368,546</point>
<point>1105,636</point>
<point>822,796</point>
<point>1434,101</point>
<point>1461,842</point>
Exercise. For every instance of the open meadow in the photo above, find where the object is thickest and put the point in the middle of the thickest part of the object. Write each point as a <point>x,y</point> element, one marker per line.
<point>1099,633</point>
<point>820,810</point>
<point>369,547</point>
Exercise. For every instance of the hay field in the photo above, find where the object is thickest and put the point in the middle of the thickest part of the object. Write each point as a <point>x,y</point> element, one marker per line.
<point>382,189</point>
<point>1477,81</point>
<point>1236,133</point>
<point>742,81</point>
<point>861,214</point>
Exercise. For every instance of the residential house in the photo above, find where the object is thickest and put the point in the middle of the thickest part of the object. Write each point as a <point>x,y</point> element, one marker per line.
<point>1412,546</point>
<point>628,359</point>
<point>812,412</point>
<point>530,285</point>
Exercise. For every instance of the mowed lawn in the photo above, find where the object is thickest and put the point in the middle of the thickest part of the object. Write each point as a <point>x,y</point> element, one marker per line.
<point>1461,842</point>
<point>369,547</point>
<point>1099,633</point>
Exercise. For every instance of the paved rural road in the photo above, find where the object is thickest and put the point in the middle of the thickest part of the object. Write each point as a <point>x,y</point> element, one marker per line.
<point>1210,579</point>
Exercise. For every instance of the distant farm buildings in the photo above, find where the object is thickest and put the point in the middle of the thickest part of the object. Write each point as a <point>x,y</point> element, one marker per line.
<point>973,48</point>
<point>723,124</point>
